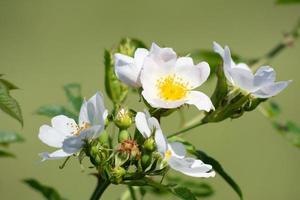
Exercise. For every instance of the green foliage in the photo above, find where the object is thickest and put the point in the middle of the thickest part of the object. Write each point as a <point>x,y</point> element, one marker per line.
<point>7,137</point>
<point>289,129</point>
<point>74,97</point>
<point>48,193</point>
<point>54,110</point>
<point>73,93</point>
<point>7,103</point>
<point>219,169</point>
<point>6,154</point>
<point>184,193</point>
<point>287,1</point>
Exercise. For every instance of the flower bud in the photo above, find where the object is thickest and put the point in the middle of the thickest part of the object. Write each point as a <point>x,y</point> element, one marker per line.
<point>123,135</point>
<point>123,119</point>
<point>117,174</point>
<point>149,144</point>
<point>103,138</point>
<point>146,160</point>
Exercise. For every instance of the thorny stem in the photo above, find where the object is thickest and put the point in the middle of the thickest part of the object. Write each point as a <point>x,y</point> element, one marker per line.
<point>288,40</point>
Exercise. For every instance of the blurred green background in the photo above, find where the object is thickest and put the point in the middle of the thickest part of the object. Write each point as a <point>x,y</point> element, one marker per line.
<point>46,44</point>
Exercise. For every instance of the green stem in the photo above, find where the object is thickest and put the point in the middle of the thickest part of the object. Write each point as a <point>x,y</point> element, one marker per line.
<point>132,193</point>
<point>100,188</point>
<point>186,129</point>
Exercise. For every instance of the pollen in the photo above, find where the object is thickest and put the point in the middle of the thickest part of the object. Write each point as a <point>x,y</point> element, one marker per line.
<point>168,154</point>
<point>172,88</point>
<point>79,129</point>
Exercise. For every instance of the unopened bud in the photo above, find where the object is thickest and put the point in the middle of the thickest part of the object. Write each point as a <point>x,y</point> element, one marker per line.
<point>149,144</point>
<point>123,135</point>
<point>117,174</point>
<point>123,119</point>
<point>146,160</point>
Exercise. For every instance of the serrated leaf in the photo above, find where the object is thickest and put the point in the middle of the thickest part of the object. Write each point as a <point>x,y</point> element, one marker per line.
<point>184,193</point>
<point>9,105</point>
<point>287,1</point>
<point>8,85</point>
<point>54,110</point>
<point>49,193</point>
<point>73,93</point>
<point>219,169</point>
<point>6,154</point>
<point>7,137</point>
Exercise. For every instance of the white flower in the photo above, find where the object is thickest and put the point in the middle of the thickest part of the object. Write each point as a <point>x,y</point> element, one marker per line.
<point>168,81</point>
<point>261,84</point>
<point>69,137</point>
<point>174,154</point>
<point>128,69</point>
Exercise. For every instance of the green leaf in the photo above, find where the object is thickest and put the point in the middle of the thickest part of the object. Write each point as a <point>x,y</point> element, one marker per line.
<point>9,105</point>
<point>6,154</point>
<point>290,130</point>
<point>73,93</point>
<point>184,193</point>
<point>287,1</point>
<point>199,189</point>
<point>54,110</point>
<point>8,85</point>
<point>7,137</point>
<point>49,193</point>
<point>218,168</point>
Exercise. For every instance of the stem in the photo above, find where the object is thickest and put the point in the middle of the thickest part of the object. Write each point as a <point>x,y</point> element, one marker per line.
<point>100,188</point>
<point>287,41</point>
<point>186,129</point>
<point>132,193</point>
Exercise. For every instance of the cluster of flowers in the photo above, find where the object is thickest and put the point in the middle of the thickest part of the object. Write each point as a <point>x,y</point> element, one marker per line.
<point>165,81</point>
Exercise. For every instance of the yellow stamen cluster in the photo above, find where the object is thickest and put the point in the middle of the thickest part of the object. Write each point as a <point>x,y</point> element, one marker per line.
<point>77,128</point>
<point>172,88</point>
<point>168,154</point>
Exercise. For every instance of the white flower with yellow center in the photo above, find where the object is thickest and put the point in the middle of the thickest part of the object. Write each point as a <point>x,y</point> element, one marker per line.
<point>68,136</point>
<point>174,153</point>
<point>260,85</point>
<point>168,81</point>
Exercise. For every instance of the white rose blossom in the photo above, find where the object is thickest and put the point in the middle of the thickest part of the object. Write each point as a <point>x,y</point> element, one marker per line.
<point>173,153</point>
<point>260,85</point>
<point>68,136</point>
<point>168,81</point>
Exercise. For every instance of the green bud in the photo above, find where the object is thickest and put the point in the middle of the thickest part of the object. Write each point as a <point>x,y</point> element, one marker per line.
<point>149,144</point>
<point>117,174</point>
<point>123,119</point>
<point>123,135</point>
<point>146,160</point>
<point>103,138</point>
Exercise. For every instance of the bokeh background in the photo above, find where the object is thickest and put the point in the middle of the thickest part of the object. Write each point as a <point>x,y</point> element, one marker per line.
<point>46,44</point>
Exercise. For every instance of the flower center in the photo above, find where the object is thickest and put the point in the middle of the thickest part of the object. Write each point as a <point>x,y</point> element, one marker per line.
<point>172,88</point>
<point>78,129</point>
<point>168,154</point>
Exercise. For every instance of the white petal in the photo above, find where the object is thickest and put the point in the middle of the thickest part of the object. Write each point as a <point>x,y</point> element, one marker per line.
<point>51,136</point>
<point>162,54</point>
<point>271,90</point>
<point>178,149</point>
<point>64,124</point>
<point>139,56</point>
<point>265,75</point>
<point>243,79</point>
<point>228,64</point>
<point>55,155</point>
<point>161,142</point>
<point>200,100</point>
<point>142,124</point>
<point>194,75</point>
<point>93,111</point>
<point>191,167</point>
<point>127,70</point>
<point>218,49</point>
<point>243,66</point>
<point>72,144</point>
